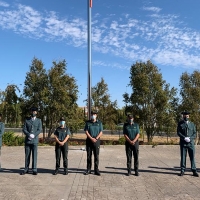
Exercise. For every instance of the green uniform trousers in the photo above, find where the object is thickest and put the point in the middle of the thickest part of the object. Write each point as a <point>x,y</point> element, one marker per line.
<point>64,150</point>
<point>31,149</point>
<point>132,150</point>
<point>95,148</point>
<point>191,151</point>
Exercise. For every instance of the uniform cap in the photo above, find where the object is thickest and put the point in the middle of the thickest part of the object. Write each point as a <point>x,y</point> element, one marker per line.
<point>185,113</point>
<point>94,112</point>
<point>62,119</point>
<point>34,108</point>
<point>129,115</point>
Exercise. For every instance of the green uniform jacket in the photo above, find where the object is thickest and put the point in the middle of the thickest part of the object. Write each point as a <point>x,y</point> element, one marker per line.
<point>186,130</point>
<point>32,127</point>
<point>93,128</point>
<point>1,132</point>
<point>131,130</point>
<point>62,133</point>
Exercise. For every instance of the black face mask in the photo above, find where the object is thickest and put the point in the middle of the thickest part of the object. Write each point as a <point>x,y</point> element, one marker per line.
<point>185,118</point>
<point>33,115</point>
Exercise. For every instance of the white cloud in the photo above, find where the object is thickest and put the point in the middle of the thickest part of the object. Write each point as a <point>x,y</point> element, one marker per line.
<point>153,9</point>
<point>4,4</point>
<point>162,38</point>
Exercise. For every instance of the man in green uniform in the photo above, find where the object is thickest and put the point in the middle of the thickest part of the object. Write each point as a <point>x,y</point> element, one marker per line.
<point>61,136</point>
<point>131,133</point>
<point>1,134</point>
<point>32,128</point>
<point>93,129</point>
<point>186,130</point>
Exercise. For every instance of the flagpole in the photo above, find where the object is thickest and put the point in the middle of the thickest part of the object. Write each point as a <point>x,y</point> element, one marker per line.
<point>89,58</point>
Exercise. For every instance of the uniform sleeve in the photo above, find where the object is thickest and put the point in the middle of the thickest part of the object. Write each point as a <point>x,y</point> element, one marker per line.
<point>138,129</point>
<point>68,131</point>
<point>100,127</point>
<point>193,136</point>
<point>39,128</point>
<point>86,127</point>
<point>124,129</point>
<point>2,127</point>
<point>25,131</point>
<point>179,131</point>
<point>56,132</point>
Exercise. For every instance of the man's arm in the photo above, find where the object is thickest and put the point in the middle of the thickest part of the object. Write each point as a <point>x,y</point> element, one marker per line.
<point>39,128</point>
<point>90,137</point>
<point>25,131</point>
<point>100,131</point>
<point>2,129</point>
<point>127,138</point>
<point>193,136</point>
<point>182,137</point>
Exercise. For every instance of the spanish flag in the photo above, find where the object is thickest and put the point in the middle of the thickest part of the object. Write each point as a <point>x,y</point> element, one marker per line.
<point>90,3</point>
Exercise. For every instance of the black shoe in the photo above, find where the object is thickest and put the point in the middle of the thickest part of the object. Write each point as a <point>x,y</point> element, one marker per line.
<point>56,172</point>
<point>65,172</point>
<point>34,173</point>
<point>24,172</point>
<point>195,174</point>
<point>97,173</point>
<point>181,174</point>
<point>136,173</point>
<point>129,173</point>
<point>88,172</point>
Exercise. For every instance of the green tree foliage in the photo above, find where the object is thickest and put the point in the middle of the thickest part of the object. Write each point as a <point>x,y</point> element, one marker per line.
<point>62,97</point>
<point>107,109</point>
<point>35,91</point>
<point>2,101</point>
<point>149,101</point>
<point>54,92</point>
<point>190,93</point>
<point>10,104</point>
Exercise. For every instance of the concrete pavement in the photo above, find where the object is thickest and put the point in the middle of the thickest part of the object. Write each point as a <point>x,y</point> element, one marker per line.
<point>158,178</point>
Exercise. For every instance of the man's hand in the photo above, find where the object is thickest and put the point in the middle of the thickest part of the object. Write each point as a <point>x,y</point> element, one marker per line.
<point>94,140</point>
<point>61,143</point>
<point>132,142</point>
<point>32,136</point>
<point>187,139</point>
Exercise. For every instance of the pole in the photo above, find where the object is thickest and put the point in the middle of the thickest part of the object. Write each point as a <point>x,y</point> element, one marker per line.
<point>89,57</point>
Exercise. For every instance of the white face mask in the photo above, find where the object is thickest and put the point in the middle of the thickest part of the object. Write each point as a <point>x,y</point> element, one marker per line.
<point>62,123</point>
<point>130,121</point>
<point>93,117</point>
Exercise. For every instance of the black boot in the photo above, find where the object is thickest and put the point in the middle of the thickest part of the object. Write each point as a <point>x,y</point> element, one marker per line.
<point>182,173</point>
<point>136,173</point>
<point>195,174</point>
<point>65,172</point>
<point>55,172</point>
<point>88,172</point>
<point>97,172</point>
<point>129,172</point>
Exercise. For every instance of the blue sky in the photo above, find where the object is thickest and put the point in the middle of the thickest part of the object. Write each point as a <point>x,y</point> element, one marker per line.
<point>167,32</point>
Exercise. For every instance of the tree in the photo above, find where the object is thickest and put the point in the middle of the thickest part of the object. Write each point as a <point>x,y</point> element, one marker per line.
<point>54,92</point>
<point>150,97</point>
<point>62,97</point>
<point>190,93</point>
<point>11,107</point>
<point>101,101</point>
<point>35,92</point>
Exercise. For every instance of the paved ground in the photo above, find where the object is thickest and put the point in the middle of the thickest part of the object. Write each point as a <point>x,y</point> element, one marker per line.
<point>158,178</point>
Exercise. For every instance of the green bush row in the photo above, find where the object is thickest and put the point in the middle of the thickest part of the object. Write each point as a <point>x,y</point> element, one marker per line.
<point>10,139</point>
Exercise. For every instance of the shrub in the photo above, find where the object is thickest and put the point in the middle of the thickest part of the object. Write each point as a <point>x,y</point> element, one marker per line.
<point>10,139</point>
<point>122,140</point>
